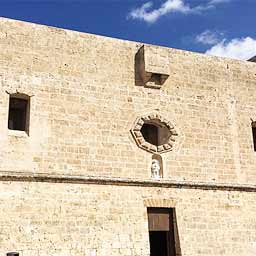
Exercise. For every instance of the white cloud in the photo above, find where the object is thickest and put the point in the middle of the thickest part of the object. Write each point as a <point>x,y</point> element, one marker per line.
<point>209,37</point>
<point>143,12</point>
<point>238,48</point>
<point>147,14</point>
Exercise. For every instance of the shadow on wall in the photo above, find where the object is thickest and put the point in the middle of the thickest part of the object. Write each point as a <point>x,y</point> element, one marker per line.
<point>139,68</point>
<point>176,234</point>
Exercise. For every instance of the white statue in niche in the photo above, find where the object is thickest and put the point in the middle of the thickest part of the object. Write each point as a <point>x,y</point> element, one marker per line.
<point>155,169</point>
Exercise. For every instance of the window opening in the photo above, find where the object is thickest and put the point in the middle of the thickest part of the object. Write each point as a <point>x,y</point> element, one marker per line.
<point>161,232</point>
<point>150,133</point>
<point>155,133</point>
<point>254,135</point>
<point>18,118</point>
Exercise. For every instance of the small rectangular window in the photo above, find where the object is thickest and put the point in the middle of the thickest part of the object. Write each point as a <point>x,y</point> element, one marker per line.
<point>18,118</point>
<point>254,135</point>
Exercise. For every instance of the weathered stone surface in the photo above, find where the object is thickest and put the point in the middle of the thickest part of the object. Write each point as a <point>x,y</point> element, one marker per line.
<point>84,101</point>
<point>153,65</point>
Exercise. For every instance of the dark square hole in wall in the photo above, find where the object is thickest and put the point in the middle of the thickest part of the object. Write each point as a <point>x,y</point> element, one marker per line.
<point>18,118</point>
<point>156,78</point>
<point>254,135</point>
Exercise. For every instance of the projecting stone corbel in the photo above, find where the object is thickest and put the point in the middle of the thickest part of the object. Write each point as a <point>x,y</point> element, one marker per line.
<point>152,66</point>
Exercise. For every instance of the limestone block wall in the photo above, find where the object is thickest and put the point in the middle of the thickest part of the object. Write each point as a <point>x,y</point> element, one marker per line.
<point>84,102</point>
<point>50,219</point>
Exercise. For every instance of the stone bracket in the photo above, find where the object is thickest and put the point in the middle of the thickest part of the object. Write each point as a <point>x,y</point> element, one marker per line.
<point>152,66</point>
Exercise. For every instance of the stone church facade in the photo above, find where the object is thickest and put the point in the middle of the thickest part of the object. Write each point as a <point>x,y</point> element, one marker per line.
<point>118,148</point>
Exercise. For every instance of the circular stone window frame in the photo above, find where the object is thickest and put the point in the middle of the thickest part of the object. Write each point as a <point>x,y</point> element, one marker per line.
<point>143,144</point>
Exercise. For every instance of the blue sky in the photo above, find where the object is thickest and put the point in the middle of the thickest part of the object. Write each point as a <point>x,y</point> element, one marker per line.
<point>217,27</point>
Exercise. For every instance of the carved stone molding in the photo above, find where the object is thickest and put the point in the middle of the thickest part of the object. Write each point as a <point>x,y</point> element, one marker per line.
<point>157,120</point>
<point>165,203</point>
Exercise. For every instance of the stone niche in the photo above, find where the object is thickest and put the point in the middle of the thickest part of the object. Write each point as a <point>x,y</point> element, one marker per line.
<point>152,66</point>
